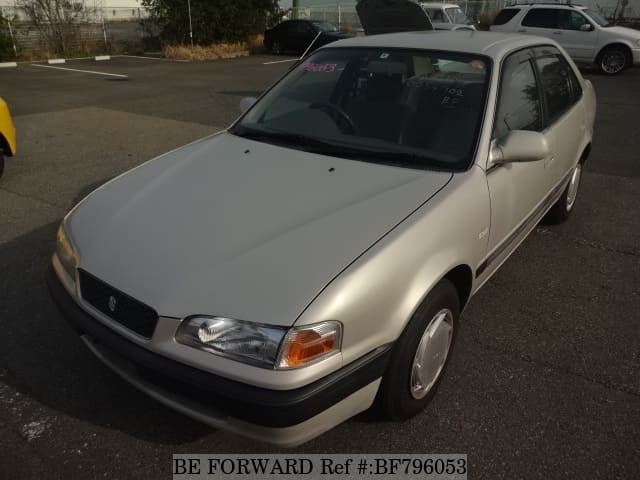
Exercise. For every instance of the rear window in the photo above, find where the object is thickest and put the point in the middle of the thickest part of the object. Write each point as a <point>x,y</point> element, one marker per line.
<point>541,18</point>
<point>558,83</point>
<point>505,16</point>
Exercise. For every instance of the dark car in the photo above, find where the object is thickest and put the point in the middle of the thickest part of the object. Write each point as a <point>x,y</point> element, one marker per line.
<point>296,35</point>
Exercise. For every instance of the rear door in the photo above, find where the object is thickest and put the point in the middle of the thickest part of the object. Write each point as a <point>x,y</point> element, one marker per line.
<point>543,22</point>
<point>565,123</point>
<point>517,190</point>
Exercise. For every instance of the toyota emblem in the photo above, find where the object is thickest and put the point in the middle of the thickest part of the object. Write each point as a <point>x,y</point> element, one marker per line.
<point>112,303</point>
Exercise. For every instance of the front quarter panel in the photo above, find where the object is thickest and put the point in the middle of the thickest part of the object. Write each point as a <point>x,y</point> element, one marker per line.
<point>376,296</point>
<point>7,129</point>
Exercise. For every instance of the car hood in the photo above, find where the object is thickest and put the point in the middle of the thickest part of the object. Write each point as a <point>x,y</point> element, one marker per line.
<point>452,26</point>
<point>624,32</point>
<point>234,227</point>
<point>336,35</point>
<point>391,16</point>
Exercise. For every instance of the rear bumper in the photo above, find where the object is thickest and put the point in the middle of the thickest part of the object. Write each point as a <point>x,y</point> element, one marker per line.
<point>283,417</point>
<point>635,53</point>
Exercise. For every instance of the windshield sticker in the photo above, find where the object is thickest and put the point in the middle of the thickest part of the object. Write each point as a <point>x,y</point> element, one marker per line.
<point>320,67</point>
<point>384,56</point>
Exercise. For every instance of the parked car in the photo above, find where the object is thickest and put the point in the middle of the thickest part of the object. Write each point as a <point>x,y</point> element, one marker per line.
<point>447,16</point>
<point>295,36</point>
<point>7,134</point>
<point>581,31</point>
<point>392,16</point>
<point>285,274</point>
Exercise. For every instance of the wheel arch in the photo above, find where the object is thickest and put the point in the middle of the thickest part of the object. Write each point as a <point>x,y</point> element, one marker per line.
<point>462,279</point>
<point>5,147</point>
<point>624,46</point>
<point>585,153</point>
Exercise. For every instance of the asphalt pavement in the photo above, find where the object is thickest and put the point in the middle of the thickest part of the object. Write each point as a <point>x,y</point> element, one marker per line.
<point>545,379</point>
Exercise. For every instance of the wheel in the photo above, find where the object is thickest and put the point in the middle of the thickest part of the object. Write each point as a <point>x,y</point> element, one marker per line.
<point>276,48</point>
<point>420,356</point>
<point>613,60</point>
<point>331,109</point>
<point>1,162</point>
<point>563,207</point>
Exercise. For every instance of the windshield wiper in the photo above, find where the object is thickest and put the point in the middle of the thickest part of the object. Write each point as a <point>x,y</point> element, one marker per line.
<point>293,139</point>
<point>323,147</point>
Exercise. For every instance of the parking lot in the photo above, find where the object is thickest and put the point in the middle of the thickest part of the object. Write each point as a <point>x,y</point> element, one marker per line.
<point>545,379</point>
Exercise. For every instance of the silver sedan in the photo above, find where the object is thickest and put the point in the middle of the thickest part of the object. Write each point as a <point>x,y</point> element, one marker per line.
<point>312,260</point>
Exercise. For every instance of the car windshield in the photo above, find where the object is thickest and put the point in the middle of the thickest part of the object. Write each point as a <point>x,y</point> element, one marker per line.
<point>596,17</point>
<point>411,108</point>
<point>457,16</point>
<point>324,26</point>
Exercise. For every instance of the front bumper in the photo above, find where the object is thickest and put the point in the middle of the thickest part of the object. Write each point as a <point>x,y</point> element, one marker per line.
<point>283,417</point>
<point>635,53</point>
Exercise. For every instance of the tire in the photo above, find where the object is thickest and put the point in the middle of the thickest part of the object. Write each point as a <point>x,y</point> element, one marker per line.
<point>613,60</point>
<point>403,394</point>
<point>276,48</point>
<point>562,209</point>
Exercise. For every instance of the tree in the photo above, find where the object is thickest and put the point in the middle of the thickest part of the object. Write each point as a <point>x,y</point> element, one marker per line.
<point>213,20</point>
<point>6,46</point>
<point>57,21</point>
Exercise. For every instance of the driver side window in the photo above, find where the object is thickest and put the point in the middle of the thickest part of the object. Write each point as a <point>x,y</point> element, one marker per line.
<point>519,107</point>
<point>571,20</point>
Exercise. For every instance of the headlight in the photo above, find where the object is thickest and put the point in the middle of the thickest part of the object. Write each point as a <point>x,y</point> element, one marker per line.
<point>265,346</point>
<point>66,253</point>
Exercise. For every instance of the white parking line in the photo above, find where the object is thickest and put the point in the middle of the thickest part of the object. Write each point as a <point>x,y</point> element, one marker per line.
<point>282,61</point>
<point>82,71</point>
<point>151,58</point>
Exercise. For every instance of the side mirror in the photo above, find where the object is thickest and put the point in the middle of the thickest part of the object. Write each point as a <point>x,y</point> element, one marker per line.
<point>586,27</point>
<point>519,146</point>
<point>246,103</point>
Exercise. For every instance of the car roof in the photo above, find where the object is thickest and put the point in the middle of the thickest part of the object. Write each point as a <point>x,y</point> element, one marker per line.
<point>545,5</point>
<point>492,44</point>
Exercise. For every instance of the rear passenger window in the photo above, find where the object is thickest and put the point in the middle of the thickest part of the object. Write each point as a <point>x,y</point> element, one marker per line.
<point>505,16</point>
<point>519,107</point>
<point>541,18</point>
<point>557,82</point>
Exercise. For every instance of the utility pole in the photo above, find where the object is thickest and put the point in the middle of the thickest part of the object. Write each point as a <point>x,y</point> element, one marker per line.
<point>190,24</point>
<point>295,7</point>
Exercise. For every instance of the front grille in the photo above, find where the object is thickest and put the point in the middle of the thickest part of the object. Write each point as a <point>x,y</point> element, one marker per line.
<point>117,305</point>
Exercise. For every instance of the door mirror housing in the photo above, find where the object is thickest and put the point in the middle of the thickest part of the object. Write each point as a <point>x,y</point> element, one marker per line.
<point>246,103</point>
<point>586,27</point>
<point>519,146</point>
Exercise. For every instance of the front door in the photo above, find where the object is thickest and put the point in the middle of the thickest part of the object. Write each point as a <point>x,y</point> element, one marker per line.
<point>517,190</point>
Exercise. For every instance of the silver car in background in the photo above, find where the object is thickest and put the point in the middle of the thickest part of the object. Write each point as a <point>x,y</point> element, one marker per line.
<point>312,261</point>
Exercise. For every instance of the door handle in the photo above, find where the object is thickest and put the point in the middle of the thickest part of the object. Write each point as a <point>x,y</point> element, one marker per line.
<point>557,32</point>
<point>522,30</point>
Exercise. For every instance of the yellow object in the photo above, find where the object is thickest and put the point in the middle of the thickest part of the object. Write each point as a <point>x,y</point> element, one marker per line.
<point>7,130</point>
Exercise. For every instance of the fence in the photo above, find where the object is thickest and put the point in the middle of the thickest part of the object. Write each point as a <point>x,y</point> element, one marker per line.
<point>96,31</point>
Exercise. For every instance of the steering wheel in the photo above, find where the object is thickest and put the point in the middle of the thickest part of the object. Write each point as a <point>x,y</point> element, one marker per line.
<point>332,109</point>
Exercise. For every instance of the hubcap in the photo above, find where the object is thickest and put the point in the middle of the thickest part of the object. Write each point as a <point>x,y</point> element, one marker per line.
<point>431,354</point>
<point>572,189</point>
<point>613,62</point>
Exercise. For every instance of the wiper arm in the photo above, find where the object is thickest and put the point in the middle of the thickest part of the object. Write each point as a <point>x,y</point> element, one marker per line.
<point>314,145</point>
<point>283,137</point>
